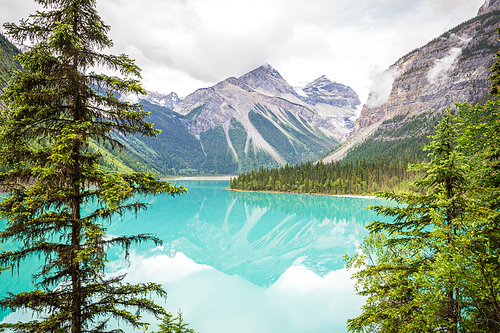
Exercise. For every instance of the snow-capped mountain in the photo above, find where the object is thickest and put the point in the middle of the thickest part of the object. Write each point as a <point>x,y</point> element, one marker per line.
<point>255,120</point>
<point>168,101</point>
<point>324,91</point>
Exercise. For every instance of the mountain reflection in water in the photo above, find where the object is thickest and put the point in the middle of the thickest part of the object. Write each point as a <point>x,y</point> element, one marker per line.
<point>255,235</point>
<point>264,262</point>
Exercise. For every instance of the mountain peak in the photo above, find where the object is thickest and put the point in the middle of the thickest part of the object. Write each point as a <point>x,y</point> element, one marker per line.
<point>169,101</point>
<point>321,81</point>
<point>324,91</point>
<point>268,81</point>
<point>269,70</point>
<point>489,6</point>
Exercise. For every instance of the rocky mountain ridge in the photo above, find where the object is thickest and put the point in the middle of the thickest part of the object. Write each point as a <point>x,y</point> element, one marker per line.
<point>168,101</point>
<point>324,91</point>
<point>451,68</point>
<point>265,85</point>
<point>488,7</point>
<point>258,119</point>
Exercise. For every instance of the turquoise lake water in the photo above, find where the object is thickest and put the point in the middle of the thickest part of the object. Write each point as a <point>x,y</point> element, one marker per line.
<point>243,262</point>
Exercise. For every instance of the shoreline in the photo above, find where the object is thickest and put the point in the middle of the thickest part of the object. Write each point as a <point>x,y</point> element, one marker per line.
<point>228,178</point>
<point>329,195</point>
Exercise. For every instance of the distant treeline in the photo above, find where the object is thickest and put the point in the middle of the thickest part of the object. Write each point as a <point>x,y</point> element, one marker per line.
<point>378,164</point>
<point>359,177</point>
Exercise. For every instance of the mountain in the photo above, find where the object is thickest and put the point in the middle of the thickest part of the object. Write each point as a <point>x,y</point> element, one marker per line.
<point>168,101</point>
<point>239,124</point>
<point>452,68</point>
<point>125,161</point>
<point>488,7</point>
<point>265,85</point>
<point>322,91</point>
<point>268,81</point>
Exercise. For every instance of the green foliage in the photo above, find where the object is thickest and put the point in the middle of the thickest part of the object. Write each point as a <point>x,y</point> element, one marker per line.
<point>174,149</point>
<point>219,159</point>
<point>435,267</point>
<point>171,324</point>
<point>7,62</point>
<point>50,136</point>
<point>495,76</point>
<point>297,145</point>
<point>365,177</point>
<point>194,113</point>
<point>397,137</point>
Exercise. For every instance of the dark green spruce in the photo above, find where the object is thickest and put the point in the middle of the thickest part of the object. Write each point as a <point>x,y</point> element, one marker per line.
<point>54,114</point>
<point>435,266</point>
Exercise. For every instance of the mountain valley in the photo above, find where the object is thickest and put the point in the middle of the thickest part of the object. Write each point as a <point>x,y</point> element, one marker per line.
<point>240,124</point>
<point>260,120</point>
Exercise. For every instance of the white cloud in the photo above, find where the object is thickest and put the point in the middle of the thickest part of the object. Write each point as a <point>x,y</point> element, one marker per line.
<point>439,71</point>
<point>299,301</point>
<point>381,87</point>
<point>189,44</point>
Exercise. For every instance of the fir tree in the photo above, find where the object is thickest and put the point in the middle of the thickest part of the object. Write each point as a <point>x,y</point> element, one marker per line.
<point>434,266</point>
<point>55,111</point>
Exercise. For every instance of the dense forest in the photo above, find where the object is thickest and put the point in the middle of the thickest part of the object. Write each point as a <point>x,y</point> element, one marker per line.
<point>7,63</point>
<point>378,164</point>
<point>434,266</point>
<point>363,177</point>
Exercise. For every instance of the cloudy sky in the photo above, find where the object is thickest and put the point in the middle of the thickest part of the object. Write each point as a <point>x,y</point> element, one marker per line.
<point>183,45</point>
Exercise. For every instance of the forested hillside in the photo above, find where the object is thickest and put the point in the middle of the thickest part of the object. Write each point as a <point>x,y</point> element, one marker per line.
<point>7,63</point>
<point>125,160</point>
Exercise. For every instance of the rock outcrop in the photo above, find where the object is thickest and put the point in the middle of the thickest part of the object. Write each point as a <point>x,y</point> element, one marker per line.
<point>452,68</point>
<point>268,81</point>
<point>488,7</point>
<point>324,91</point>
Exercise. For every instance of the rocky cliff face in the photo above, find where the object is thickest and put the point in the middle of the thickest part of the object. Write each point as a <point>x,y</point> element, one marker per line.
<point>452,68</point>
<point>488,7</point>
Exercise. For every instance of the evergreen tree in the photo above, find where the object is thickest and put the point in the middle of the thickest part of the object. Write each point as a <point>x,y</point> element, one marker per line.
<point>403,253</point>
<point>495,77</point>
<point>54,113</point>
<point>434,267</point>
<point>171,324</point>
<point>478,249</point>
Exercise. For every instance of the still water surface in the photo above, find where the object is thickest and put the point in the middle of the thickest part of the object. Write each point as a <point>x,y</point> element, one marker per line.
<point>244,262</point>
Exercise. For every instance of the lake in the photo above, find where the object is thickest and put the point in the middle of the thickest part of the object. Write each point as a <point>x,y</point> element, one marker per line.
<point>244,262</point>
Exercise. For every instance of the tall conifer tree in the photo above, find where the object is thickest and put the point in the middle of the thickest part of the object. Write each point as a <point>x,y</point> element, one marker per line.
<point>55,111</point>
<point>435,267</point>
